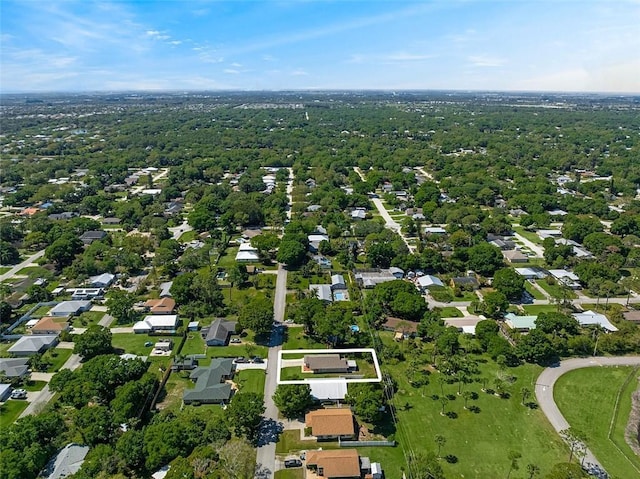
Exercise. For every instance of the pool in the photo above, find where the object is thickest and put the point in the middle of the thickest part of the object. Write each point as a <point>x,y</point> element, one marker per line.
<point>339,296</point>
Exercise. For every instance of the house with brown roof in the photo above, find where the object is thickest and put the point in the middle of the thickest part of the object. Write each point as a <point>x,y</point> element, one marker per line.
<point>332,424</point>
<point>50,325</point>
<point>334,464</point>
<point>326,363</point>
<point>161,306</point>
<point>633,316</point>
<point>397,325</point>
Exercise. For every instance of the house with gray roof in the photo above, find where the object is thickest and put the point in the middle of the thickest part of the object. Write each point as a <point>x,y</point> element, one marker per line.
<point>217,334</point>
<point>14,367</point>
<point>338,282</point>
<point>89,237</point>
<point>66,463</point>
<point>31,345</point>
<point>322,292</point>
<point>103,280</point>
<point>211,387</point>
<point>70,308</point>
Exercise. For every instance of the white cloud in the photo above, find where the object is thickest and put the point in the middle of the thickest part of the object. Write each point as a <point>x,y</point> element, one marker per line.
<point>231,71</point>
<point>299,72</point>
<point>486,61</point>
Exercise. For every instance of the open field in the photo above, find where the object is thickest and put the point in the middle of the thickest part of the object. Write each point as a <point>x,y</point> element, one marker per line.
<point>587,399</point>
<point>297,473</point>
<point>34,385</point>
<point>450,312</point>
<point>134,343</point>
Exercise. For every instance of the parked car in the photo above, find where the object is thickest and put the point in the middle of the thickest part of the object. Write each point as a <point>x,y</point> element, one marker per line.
<point>18,394</point>
<point>292,463</point>
<point>240,360</point>
<point>257,360</point>
<point>148,344</point>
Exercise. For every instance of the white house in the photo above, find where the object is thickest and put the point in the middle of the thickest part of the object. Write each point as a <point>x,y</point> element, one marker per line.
<point>247,254</point>
<point>103,280</point>
<point>589,318</point>
<point>167,323</point>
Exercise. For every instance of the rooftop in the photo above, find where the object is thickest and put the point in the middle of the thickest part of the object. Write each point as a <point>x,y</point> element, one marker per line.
<point>331,422</point>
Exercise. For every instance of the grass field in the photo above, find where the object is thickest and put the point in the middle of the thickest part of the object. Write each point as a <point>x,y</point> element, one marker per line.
<point>134,343</point>
<point>450,312</point>
<point>530,235</point>
<point>296,339</point>
<point>555,291</point>
<point>34,385</point>
<point>86,319</point>
<point>532,309</point>
<point>297,473</point>
<point>533,291</point>
<point>10,411</point>
<point>57,357</point>
<point>250,380</point>
<point>587,398</point>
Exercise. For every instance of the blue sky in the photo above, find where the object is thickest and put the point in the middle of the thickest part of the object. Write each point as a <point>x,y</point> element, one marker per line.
<point>276,45</point>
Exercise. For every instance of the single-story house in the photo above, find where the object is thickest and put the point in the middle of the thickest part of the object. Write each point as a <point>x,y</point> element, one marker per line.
<point>334,463</point>
<point>358,214</point>
<point>323,262</point>
<point>5,392</point>
<point>465,282</point>
<point>103,280</point>
<point>70,308</point>
<point>434,230</point>
<point>322,292</point>
<point>515,256</point>
<point>633,316</point>
<point>332,424</point>
<point>329,390</point>
<point>66,463</point>
<point>164,323</point>
<point>314,208</point>
<point>211,387</point>
<point>34,344</point>
<point>326,363</point>
<point>338,282</point>
<point>160,306</point>
<point>542,234</point>
<point>406,328</point>
<point>65,215</point>
<point>534,272</point>
<point>428,280</point>
<point>503,244</point>
<point>50,325</point>
<point>217,334</point>
<point>80,294</point>
<point>14,367</point>
<point>184,363</point>
<point>247,254</point>
<point>111,221</point>
<point>588,318</point>
<point>368,278</point>
<point>566,278</point>
<point>520,323</point>
<point>89,237</point>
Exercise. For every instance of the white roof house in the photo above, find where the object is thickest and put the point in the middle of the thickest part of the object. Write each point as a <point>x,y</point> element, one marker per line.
<point>102,280</point>
<point>70,308</point>
<point>428,280</point>
<point>322,291</point>
<point>33,344</point>
<point>317,238</point>
<point>156,322</point>
<point>589,318</point>
<point>247,253</point>
<point>328,390</point>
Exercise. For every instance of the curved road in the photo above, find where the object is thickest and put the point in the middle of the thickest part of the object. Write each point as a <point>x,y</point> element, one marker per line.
<point>548,378</point>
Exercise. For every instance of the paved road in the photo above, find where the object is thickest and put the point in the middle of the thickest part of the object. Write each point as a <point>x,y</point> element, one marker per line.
<point>41,398</point>
<point>179,230</point>
<point>548,378</point>
<point>271,426</point>
<point>24,264</point>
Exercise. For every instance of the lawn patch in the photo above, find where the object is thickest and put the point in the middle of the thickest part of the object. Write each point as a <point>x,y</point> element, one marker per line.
<point>251,381</point>
<point>57,357</point>
<point>132,343</point>
<point>32,385</point>
<point>9,412</point>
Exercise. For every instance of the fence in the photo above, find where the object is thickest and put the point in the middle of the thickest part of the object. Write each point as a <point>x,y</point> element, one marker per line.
<point>366,443</point>
<point>24,318</point>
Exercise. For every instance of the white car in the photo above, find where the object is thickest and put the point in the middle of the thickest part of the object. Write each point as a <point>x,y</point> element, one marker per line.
<point>18,394</point>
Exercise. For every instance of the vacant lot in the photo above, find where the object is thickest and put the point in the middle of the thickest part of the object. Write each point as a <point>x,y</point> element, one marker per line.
<point>587,398</point>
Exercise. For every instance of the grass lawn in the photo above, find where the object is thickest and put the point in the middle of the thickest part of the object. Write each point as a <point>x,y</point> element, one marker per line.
<point>35,272</point>
<point>57,357</point>
<point>175,386</point>
<point>530,235</point>
<point>533,291</point>
<point>4,347</point>
<point>450,312</point>
<point>40,312</point>
<point>194,344</point>
<point>188,236</point>
<point>296,339</point>
<point>10,411</point>
<point>290,443</point>
<point>296,473</point>
<point>86,319</point>
<point>555,291</point>
<point>239,297</point>
<point>34,385</point>
<point>228,259</point>
<point>236,350</point>
<point>480,441</point>
<point>250,381</point>
<point>532,309</point>
<point>587,398</point>
<point>4,269</point>
<point>134,343</point>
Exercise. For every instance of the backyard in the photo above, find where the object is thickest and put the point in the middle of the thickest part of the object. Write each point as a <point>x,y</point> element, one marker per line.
<point>597,402</point>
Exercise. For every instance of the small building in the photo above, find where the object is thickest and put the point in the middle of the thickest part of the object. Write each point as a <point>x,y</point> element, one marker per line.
<point>522,324</point>
<point>329,390</point>
<point>338,282</point>
<point>103,280</point>
<point>217,334</point>
<point>427,281</point>
<point>70,308</point>
<point>50,325</point>
<point>33,344</point>
<point>89,237</point>
<point>358,214</point>
<point>14,368</point>
<point>157,323</point>
<point>633,316</point>
<point>542,234</point>
<point>434,230</point>
<point>334,463</point>
<point>368,278</point>
<point>66,463</point>
<point>332,424</point>
<point>323,262</point>
<point>534,272</point>
<point>247,254</point>
<point>326,363</point>
<point>82,294</point>
<point>566,278</point>
<point>111,221</point>
<point>65,215</point>
<point>163,345</point>
<point>160,306</point>
<point>515,256</point>
<point>322,292</point>
<point>589,318</point>
<point>188,363</point>
<point>211,387</point>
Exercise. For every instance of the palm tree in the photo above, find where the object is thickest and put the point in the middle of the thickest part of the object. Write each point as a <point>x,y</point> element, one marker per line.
<point>532,470</point>
<point>443,401</point>
<point>466,396</point>
<point>440,442</point>
<point>526,392</point>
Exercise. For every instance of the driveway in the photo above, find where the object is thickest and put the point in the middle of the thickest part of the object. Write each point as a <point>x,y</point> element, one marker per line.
<point>24,264</point>
<point>548,378</point>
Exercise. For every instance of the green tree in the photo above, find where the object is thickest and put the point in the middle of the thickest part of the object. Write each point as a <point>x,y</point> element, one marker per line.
<point>63,250</point>
<point>94,423</point>
<point>293,400</point>
<point>533,470</point>
<point>485,259</point>
<point>245,414</point>
<point>237,275</point>
<point>237,459</point>
<point>440,441</point>
<point>292,253</point>
<point>509,283</point>
<point>38,293</point>
<point>120,305</point>
<point>9,254</point>
<point>96,340</point>
<point>257,315</point>
<point>366,399</point>
<point>5,312</point>
<point>495,304</point>
<point>130,450</point>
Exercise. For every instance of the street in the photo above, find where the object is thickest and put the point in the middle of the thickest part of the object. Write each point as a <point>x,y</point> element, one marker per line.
<point>9,274</point>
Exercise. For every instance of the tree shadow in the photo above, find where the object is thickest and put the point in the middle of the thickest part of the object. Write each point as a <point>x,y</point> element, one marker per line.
<point>269,432</point>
